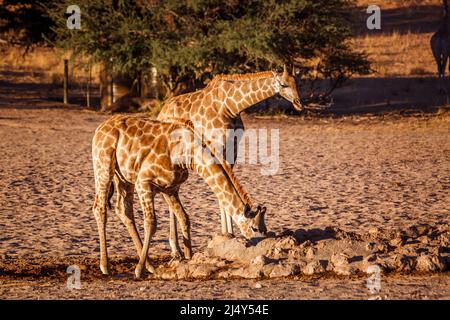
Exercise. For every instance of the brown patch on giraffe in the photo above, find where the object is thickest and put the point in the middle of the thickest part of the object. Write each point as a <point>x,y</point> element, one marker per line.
<point>160,145</point>
<point>210,113</point>
<point>207,99</point>
<point>237,96</point>
<point>217,123</point>
<point>131,130</point>
<point>247,87</point>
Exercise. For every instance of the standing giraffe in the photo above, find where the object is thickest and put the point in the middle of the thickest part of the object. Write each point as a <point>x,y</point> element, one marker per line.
<point>217,108</point>
<point>440,46</point>
<point>154,156</point>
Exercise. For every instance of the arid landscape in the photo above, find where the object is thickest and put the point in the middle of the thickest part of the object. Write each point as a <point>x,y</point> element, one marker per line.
<point>366,183</point>
<point>361,174</point>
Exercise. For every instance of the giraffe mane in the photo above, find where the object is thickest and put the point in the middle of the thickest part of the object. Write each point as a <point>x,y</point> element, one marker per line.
<point>226,167</point>
<point>243,77</point>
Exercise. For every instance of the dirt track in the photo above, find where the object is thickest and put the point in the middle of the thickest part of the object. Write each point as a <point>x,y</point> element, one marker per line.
<point>356,174</point>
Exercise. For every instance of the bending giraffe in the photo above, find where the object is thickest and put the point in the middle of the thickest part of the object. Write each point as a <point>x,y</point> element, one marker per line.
<point>217,108</point>
<point>440,46</point>
<point>152,156</point>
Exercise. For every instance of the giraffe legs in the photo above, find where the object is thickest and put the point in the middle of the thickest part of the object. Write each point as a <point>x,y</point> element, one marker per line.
<point>124,209</point>
<point>226,222</point>
<point>146,198</point>
<point>173,236</point>
<point>229,224</point>
<point>176,208</point>
<point>99,210</point>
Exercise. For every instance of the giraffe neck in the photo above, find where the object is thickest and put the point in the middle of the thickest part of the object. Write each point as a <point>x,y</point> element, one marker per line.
<point>217,173</point>
<point>242,94</point>
<point>222,186</point>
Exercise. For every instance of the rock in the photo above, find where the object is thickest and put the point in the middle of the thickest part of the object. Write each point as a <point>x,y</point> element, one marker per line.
<point>311,253</point>
<point>444,240</point>
<point>182,271</point>
<point>397,241</point>
<point>250,272</point>
<point>174,263</point>
<point>167,275</point>
<point>261,260</point>
<point>221,263</point>
<point>371,258</point>
<point>203,271</point>
<point>414,232</point>
<point>321,245</point>
<point>284,270</point>
<point>296,254</point>
<point>374,231</point>
<point>344,270</point>
<point>224,247</point>
<point>404,263</point>
<point>258,285</point>
<point>424,240</point>
<point>381,247</point>
<point>370,246</point>
<point>305,244</point>
<point>340,264</point>
<point>339,259</point>
<point>423,229</point>
<point>288,242</point>
<point>314,267</point>
<point>430,263</point>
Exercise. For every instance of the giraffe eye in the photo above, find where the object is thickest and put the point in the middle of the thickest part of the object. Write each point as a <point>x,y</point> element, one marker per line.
<point>254,229</point>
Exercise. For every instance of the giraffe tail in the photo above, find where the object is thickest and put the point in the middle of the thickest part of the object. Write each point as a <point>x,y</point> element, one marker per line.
<point>110,194</point>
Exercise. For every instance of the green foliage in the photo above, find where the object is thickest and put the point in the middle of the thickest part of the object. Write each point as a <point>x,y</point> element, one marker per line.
<point>22,22</point>
<point>189,41</point>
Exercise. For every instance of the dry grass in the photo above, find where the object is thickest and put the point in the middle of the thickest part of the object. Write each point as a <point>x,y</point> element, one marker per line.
<point>391,4</point>
<point>42,65</point>
<point>398,54</point>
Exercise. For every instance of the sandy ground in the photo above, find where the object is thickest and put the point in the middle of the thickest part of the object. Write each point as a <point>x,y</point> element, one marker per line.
<point>353,173</point>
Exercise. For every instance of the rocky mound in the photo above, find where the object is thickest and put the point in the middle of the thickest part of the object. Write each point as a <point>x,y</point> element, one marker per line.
<point>420,248</point>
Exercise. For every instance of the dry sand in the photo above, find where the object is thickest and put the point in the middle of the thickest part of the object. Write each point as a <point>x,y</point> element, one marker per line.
<point>356,174</point>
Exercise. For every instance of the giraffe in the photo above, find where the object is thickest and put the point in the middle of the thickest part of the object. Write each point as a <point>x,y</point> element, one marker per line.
<point>440,46</point>
<point>216,109</point>
<point>153,157</point>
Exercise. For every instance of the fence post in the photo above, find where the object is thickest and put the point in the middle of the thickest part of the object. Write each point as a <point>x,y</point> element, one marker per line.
<point>66,81</point>
<point>111,88</point>
<point>88,89</point>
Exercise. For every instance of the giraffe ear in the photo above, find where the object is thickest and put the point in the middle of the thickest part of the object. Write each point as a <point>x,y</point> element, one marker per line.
<point>247,212</point>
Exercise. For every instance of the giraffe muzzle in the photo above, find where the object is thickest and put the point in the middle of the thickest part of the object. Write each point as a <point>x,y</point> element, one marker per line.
<point>298,105</point>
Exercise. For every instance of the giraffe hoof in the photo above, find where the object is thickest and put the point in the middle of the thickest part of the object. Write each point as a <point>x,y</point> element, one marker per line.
<point>104,270</point>
<point>149,268</point>
<point>138,272</point>
<point>187,253</point>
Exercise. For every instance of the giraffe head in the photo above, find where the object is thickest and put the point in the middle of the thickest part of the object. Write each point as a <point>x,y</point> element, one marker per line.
<point>252,223</point>
<point>287,88</point>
